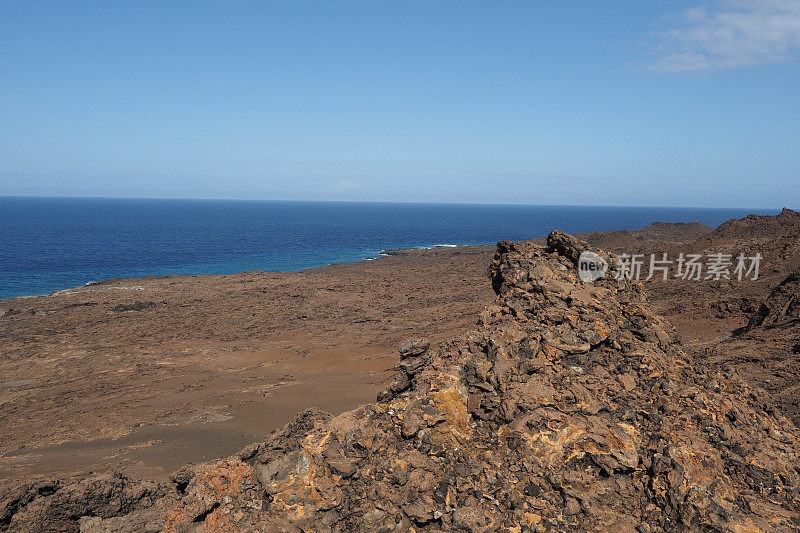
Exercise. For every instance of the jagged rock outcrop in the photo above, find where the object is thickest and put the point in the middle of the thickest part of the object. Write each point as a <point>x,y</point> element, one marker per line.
<point>781,306</point>
<point>61,505</point>
<point>413,360</point>
<point>570,407</point>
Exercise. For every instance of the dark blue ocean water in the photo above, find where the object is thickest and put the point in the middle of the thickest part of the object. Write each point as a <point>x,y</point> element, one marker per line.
<point>57,243</point>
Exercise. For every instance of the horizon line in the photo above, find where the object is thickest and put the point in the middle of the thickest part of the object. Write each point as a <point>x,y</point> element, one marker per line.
<point>412,202</point>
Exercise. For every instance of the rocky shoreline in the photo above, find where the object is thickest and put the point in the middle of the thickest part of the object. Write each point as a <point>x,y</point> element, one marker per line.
<point>144,375</point>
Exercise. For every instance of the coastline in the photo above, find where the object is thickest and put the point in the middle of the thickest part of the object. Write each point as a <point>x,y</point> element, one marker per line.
<point>146,374</point>
<point>156,379</point>
<point>143,375</point>
<point>381,254</point>
<point>55,244</point>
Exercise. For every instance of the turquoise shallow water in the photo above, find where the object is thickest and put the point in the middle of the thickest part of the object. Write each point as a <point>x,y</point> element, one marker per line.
<point>56,243</point>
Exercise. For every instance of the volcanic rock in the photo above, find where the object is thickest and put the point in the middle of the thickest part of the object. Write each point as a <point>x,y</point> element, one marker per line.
<point>782,305</point>
<point>62,505</point>
<point>414,347</point>
<point>570,408</point>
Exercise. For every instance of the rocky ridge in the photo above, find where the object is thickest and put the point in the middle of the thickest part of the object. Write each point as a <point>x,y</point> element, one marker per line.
<point>658,235</point>
<point>570,407</point>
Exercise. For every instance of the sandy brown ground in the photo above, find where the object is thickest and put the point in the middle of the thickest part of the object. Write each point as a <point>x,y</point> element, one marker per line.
<point>203,365</point>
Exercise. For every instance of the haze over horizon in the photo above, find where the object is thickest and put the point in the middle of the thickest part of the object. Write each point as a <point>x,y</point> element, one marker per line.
<point>760,210</point>
<point>614,103</point>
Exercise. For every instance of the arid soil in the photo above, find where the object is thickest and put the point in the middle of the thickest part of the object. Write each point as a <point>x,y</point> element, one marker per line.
<point>569,407</point>
<point>145,375</point>
<point>142,376</point>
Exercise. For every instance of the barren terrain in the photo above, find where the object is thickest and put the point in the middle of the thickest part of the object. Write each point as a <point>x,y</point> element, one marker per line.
<point>145,375</point>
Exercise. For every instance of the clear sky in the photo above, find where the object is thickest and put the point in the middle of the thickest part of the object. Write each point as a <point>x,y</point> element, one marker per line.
<point>594,102</point>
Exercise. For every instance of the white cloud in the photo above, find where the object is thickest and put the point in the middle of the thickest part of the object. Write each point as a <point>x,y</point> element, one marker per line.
<point>344,186</point>
<point>731,34</point>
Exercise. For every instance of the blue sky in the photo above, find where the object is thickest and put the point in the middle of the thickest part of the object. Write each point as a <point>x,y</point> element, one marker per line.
<point>596,102</point>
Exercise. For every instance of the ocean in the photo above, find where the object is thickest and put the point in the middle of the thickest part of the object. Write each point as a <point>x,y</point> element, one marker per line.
<point>48,244</point>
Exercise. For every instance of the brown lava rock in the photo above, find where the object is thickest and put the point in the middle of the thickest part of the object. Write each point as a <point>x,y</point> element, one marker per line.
<point>570,407</point>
